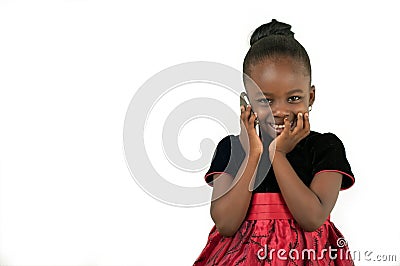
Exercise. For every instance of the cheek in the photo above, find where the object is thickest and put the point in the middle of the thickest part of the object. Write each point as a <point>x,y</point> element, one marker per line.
<point>303,107</point>
<point>295,107</point>
<point>264,113</point>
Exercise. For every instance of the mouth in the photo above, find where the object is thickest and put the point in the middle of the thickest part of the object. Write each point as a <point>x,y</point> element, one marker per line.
<point>278,128</point>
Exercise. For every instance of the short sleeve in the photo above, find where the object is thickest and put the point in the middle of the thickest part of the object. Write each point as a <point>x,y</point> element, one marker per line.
<point>227,158</point>
<point>329,155</point>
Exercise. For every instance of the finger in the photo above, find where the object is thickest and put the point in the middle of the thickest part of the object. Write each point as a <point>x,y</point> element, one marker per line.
<point>252,119</point>
<point>245,116</point>
<point>248,110</point>
<point>242,112</point>
<point>286,129</point>
<point>300,123</point>
<point>248,113</point>
<point>307,123</point>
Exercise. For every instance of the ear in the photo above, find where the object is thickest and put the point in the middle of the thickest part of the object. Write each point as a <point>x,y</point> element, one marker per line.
<point>312,95</point>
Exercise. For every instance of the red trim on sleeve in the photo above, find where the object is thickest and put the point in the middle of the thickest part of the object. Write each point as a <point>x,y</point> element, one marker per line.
<point>341,172</point>
<point>205,177</point>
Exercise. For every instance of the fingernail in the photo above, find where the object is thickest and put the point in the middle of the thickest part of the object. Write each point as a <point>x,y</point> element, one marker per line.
<point>300,114</point>
<point>306,115</point>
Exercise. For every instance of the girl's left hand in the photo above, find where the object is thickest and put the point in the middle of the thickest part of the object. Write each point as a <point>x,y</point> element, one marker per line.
<point>288,139</point>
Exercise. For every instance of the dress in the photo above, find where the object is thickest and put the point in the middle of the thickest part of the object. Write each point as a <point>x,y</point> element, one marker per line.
<point>269,235</point>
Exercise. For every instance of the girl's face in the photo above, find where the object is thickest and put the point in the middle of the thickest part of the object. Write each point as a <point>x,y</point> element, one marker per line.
<point>285,90</point>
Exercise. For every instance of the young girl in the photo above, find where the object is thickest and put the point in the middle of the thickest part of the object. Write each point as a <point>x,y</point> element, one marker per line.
<point>285,219</point>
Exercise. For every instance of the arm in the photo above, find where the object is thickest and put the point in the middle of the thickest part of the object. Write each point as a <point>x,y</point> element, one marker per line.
<point>231,195</point>
<point>310,206</point>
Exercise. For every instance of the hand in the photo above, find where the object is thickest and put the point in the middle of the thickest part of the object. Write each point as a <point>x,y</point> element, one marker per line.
<point>248,137</point>
<point>288,139</point>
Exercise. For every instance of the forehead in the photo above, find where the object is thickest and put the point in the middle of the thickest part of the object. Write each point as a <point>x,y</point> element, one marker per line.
<point>278,76</point>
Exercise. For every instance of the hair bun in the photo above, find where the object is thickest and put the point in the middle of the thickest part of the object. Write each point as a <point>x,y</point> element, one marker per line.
<point>272,28</point>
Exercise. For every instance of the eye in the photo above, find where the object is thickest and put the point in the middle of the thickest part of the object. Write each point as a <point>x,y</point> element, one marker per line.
<point>294,99</point>
<point>265,100</point>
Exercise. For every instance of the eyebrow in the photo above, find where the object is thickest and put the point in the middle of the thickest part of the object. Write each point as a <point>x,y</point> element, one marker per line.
<point>289,92</point>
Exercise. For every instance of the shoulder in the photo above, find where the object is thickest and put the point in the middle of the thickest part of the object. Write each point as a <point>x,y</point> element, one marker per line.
<point>316,137</point>
<point>229,141</point>
<point>229,144</point>
<point>317,141</point>
<point>327,153</point>
<point>227,157</point>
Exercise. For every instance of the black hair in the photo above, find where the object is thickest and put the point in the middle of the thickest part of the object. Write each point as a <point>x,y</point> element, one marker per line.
<point>273,40</point>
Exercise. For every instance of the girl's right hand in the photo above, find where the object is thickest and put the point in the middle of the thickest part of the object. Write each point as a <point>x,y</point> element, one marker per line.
<point>248,137</point>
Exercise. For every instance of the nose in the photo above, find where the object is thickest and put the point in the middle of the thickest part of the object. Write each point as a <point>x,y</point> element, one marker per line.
<point>279,110</point>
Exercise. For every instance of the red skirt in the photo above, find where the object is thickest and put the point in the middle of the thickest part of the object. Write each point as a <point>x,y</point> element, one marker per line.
<point>270,236</point>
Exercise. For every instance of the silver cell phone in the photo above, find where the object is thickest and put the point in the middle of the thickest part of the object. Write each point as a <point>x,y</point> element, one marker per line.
<point>244,101</point>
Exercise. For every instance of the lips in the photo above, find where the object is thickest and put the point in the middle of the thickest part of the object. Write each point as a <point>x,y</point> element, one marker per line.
<point>279,127</point>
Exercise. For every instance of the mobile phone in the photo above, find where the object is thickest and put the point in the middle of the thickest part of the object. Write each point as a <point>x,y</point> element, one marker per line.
<point>244,101</point>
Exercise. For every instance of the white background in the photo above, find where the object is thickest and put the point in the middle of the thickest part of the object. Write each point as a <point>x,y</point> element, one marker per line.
<point>68,70</point>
